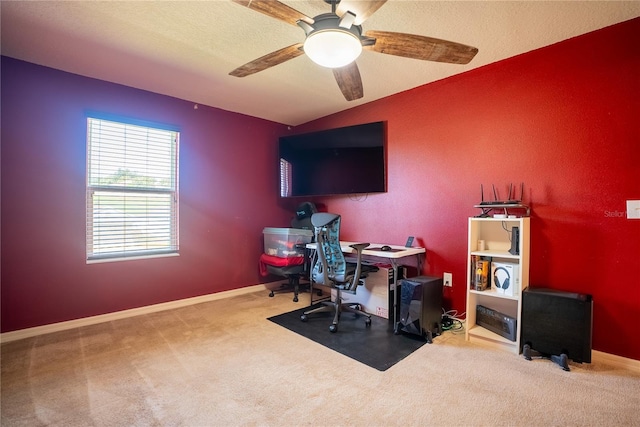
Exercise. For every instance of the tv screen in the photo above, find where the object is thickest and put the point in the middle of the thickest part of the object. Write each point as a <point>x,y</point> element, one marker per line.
<point>348,160</point>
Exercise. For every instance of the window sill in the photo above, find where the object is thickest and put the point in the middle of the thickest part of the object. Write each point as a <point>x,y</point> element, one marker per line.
<point>131,258</point>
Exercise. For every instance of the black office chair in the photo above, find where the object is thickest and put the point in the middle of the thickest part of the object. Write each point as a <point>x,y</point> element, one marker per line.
<point>331,269</point>
<point>293,273</point>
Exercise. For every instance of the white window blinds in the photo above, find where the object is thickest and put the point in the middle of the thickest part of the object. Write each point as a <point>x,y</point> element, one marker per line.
<point>285,178</point>
<point>132,190</point>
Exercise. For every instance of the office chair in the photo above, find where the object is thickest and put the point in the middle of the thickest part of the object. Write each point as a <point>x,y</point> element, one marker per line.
<point>284,267</point>
<point>331,269</point>
<point>292,273</point>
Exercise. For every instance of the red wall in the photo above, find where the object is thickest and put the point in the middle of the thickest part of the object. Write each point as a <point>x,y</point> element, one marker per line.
<point>227,196</point>
<point>565,121</point>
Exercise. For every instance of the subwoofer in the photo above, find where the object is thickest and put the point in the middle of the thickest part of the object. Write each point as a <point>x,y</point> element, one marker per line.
<point>556,323</point>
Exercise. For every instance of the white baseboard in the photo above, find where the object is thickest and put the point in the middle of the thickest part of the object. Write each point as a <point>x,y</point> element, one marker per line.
<point>615,361</point>
<point>87,321</point>
<point>596,356</point>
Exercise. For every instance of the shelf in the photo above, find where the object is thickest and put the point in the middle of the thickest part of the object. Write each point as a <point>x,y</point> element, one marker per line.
<point>494,235</point>
<point>495,254</point>
<point>494,294</point>
<point>486,335</point>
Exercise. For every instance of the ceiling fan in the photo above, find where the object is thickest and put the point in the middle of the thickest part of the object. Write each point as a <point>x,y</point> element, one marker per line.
<point>335,40</point>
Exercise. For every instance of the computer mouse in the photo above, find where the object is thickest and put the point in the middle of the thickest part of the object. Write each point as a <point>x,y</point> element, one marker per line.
<point>385,248</point>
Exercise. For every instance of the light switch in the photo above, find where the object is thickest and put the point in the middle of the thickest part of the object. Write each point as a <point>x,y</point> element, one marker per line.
<point>633,209</point>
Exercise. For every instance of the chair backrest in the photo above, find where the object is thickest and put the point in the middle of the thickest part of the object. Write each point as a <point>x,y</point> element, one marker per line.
<point>331,265</point>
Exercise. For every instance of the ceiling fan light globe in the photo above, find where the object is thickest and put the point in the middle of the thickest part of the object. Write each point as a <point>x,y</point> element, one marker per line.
<point>332,48</point>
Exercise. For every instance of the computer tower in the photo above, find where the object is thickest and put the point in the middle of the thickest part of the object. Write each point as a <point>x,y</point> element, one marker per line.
<point>421,306</point>
<point>556,322</point>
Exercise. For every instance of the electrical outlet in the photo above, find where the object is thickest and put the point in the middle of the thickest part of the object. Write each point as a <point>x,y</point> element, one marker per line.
<point>633,209</point>
<point>448,279</point>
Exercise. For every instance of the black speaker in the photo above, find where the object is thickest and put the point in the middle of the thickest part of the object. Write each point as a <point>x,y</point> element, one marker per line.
<point>421,306</point>
<point>556,322</point>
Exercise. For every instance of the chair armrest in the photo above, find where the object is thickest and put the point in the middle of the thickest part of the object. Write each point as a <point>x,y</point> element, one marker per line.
<point>359,247</point>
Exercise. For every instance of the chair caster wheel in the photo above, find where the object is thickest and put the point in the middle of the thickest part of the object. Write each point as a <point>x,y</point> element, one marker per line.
<point>303,317</point>
<point>271,294</point>
<point>333,328</point>
<point>295,299</point>
<point>367,322</point>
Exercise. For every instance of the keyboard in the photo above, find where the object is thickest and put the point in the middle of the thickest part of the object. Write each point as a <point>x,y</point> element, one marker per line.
<point>497,322</point>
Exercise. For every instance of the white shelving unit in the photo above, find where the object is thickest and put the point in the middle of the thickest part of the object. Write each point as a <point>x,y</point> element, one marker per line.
<point>496,234</point>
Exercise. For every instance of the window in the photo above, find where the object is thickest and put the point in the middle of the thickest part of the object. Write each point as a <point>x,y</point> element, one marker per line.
<point>132,190</point>
<point>285,178</point>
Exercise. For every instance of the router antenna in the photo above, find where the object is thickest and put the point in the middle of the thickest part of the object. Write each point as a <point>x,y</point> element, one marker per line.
<point>495,195</point>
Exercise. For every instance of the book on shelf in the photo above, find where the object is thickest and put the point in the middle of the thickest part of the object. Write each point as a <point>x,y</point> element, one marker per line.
<point>481,270</point>
<point>472,279</point>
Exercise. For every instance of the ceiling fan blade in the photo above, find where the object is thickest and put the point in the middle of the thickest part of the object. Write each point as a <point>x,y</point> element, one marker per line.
<point>362,9</point>
<point>349,81</point>
<point>420,47</point>
<point>275,9</point>
<point>269,60</point>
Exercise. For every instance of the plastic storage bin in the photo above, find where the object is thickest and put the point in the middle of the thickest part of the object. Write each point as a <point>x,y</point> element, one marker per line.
<point>281,242</point>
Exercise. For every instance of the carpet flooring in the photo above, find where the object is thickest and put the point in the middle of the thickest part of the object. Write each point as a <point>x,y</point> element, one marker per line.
<point>375,346</point>
<point>223,364</point>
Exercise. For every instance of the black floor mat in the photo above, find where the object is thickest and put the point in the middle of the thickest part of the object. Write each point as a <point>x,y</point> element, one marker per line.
<point>376,346</point>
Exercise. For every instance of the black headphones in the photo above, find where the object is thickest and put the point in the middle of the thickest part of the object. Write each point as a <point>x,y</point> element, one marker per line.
<point>505,283</point>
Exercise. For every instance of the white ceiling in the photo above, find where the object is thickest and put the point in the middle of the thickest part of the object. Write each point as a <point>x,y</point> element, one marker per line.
<point>186,49</point>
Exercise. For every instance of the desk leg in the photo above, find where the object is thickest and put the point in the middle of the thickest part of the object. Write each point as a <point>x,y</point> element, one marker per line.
<point>396,293</point>
<point>420,262</point>
<point>394,264</point>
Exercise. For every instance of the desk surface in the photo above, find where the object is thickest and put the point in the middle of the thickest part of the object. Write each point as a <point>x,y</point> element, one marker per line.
<point>373,250</point>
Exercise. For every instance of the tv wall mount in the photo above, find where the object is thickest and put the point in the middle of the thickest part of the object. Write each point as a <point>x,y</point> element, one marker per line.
<point>503,205</point>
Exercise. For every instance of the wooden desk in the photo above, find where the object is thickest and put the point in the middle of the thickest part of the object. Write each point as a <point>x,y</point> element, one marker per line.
<point>397,256</point>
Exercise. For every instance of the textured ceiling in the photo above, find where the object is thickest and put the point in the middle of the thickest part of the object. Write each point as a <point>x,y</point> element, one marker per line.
<point>186,49</point>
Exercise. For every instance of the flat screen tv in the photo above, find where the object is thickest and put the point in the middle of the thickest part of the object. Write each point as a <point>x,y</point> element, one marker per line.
<point>348,160</point>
